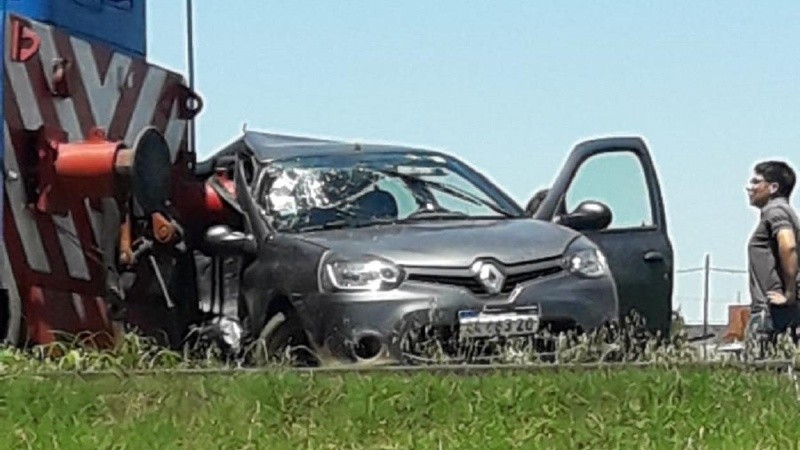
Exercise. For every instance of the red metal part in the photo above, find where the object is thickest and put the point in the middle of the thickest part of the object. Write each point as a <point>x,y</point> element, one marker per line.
<point>56,87</point>
<point>163,230</point>
<point>199,205</point>
<point>50,306</point>
<point>82,169</point>
<point>88,167</point>
<point>24,41</point>
<point>125,242</point>
<point>49,199</point>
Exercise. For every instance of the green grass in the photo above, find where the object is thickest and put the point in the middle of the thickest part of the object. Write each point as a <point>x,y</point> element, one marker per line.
<point>630,408</point>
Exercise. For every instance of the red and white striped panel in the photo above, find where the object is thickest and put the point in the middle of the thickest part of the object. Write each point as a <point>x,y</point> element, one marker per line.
<point>54,259</point>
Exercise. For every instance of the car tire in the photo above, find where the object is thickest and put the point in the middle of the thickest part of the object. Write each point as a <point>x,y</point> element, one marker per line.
<point>283,340</point>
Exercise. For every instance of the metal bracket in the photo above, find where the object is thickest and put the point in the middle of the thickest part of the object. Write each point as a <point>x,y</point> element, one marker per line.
<point>24,41</point>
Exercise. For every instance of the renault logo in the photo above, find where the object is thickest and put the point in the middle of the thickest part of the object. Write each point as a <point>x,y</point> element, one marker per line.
<point>490,276</point>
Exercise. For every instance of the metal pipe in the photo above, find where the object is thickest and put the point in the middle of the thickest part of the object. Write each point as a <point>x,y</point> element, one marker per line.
<point>190,62</point>
<point>213,291</point>
<point>160,278</point>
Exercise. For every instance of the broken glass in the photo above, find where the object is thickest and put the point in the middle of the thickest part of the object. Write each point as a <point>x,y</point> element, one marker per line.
<point>335,191</point>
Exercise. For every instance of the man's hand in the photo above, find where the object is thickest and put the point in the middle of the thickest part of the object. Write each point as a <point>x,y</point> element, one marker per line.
<point>778,298</point>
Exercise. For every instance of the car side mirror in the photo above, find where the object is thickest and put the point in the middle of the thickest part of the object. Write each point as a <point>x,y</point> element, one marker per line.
<point>589,215</point>
<point>220,240</point>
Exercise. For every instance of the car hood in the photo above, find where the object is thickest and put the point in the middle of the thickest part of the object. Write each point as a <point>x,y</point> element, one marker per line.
<point>450,243</point>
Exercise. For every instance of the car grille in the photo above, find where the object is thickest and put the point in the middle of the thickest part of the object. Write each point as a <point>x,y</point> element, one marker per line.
<point>473,284</point>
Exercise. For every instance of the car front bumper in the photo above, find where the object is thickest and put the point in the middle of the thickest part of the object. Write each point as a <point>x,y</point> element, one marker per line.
<point>342,324</point>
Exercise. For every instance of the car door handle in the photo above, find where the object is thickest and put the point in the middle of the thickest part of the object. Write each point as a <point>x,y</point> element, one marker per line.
<point>653,255</point>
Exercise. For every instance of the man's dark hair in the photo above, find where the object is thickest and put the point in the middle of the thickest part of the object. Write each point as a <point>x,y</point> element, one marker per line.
<point>778,172</point>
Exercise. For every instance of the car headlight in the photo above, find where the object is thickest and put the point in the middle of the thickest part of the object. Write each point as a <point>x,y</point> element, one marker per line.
<point>589,263</point>
<point>362,274</point>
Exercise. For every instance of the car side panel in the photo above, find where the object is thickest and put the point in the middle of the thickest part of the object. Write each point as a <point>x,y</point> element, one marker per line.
<point>285,269</point>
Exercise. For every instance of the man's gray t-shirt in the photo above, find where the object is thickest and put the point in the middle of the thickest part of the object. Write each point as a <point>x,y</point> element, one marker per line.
<point>762,250</point>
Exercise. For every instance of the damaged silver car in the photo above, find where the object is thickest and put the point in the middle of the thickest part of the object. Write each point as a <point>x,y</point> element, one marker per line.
<point>347,249</point>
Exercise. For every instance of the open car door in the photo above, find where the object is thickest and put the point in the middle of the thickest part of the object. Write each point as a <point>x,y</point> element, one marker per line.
<point>619,173</point>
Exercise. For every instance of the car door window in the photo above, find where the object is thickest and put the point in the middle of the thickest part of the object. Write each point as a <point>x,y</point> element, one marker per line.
<point>616,179</point>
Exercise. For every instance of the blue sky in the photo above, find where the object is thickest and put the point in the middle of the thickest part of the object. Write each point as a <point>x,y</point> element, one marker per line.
<point>510,87</point>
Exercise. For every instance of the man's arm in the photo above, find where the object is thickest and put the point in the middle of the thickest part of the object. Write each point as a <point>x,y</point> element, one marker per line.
<point>781,228</point>
<point>787,252</point>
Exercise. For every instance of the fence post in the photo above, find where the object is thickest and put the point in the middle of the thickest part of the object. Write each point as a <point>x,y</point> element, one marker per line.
<point>706,272</point>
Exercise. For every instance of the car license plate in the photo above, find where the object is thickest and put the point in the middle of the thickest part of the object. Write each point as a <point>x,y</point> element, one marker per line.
<point>473,325</point>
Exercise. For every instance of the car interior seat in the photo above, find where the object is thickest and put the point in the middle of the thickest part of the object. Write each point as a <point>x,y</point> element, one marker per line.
<point>375,204</point>
<point>321,216</point>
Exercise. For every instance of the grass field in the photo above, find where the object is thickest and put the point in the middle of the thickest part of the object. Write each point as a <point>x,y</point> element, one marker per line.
<point>630,408</point>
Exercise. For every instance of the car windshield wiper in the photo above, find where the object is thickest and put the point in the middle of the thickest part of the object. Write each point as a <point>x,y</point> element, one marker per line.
<point>452,190</point>
<point>436,214</point>
<point>342,223</point>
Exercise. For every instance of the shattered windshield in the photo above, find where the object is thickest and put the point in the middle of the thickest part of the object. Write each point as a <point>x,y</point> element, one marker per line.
<point>353,190</point>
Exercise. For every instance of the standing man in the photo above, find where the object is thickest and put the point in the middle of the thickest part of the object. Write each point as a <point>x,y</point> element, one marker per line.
<point>773,247</point>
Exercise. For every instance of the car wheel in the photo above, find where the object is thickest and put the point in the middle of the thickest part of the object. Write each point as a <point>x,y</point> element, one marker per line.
<point>283,340</point>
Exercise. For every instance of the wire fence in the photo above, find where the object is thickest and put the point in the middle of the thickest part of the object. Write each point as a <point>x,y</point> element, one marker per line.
<point>707,270</point>
<point>712,269</point>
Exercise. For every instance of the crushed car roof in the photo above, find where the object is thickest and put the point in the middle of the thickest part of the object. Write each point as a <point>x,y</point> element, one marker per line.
<point>269,146</point>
